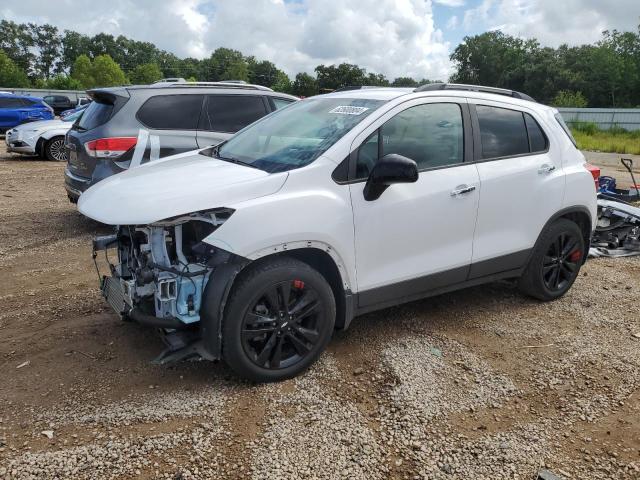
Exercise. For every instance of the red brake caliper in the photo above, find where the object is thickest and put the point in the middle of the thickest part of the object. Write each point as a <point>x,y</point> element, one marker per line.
<point>575,256</point>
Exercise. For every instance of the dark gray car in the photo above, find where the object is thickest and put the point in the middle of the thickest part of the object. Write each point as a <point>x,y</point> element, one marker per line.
<point>178,117</point>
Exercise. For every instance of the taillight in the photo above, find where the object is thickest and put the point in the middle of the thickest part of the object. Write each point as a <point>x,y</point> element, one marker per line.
<point>112,147</point>
<point>595,173</point>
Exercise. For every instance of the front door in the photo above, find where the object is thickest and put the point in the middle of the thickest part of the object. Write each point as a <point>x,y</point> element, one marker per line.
<point>416,237</point>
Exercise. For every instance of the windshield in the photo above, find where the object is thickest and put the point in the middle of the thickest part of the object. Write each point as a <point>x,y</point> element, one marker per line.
<point>295,136</point>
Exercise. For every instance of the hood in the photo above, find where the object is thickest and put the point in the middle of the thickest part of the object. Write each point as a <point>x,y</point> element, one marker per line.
<point>43,125</point>
<point>176,186</point>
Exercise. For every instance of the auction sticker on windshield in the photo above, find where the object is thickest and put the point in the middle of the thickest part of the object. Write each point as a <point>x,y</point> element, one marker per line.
<point>349,110</point>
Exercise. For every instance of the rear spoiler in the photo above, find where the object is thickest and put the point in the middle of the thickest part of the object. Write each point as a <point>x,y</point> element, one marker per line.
<point>110,96</point>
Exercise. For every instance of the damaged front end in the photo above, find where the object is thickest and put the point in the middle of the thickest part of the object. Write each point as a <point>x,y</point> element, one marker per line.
<point>160,279</point>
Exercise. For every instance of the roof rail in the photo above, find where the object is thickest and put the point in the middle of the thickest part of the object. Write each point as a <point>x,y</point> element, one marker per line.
<point>430,87</point>
<point>357,87</point>
<point>225,84</point>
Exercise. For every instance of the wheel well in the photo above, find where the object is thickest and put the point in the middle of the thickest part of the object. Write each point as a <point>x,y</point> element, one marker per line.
<point>581,219</point>
<point>322,262</point>
<point>40,146</point>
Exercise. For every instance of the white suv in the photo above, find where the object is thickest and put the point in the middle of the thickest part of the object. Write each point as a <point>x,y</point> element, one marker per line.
<point>255,250</point>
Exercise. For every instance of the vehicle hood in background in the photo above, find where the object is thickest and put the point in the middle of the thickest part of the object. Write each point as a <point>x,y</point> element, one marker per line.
<point>44,125</point>
<point>170,187</point>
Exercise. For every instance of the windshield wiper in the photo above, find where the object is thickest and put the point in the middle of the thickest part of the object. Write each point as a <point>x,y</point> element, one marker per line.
<point>236,161</point>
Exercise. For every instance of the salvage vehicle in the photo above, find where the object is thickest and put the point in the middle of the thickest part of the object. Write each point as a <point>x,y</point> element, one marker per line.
<point>255,250</point>
<point>180,115</point>
<point>44,138</point>
<point>17,109</point>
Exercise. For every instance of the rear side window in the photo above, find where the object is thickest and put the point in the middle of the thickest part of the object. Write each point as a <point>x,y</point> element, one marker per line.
<point>230,113</point>
<point>8,102</point>
<point>29,103</point>
<point>537,139</point>
<point>171,112</point>
<point>502,132</point>
<point>280,102</point>
<point>96,114</point>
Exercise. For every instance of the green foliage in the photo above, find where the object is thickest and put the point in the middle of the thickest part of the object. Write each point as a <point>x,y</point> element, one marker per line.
<point>10,74</point>
<point>101,72</point>
<point>282,83</point>
<point>333,77</point>
<point>61,82</point>
<point>145,74</point>
<point>566,98</point>
<point>404,82</point>
<point>106,72</point>
<point>615,140</point>
<point>82,71</point>
<point>304,85</point>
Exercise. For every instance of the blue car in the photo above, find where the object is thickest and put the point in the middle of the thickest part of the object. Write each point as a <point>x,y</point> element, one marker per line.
<point>18,109</point>
<point>71,111</point>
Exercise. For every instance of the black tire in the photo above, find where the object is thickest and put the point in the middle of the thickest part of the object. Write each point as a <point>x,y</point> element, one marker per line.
<point>266,338</point>
<point>54,150</point>
<point>555,262</point>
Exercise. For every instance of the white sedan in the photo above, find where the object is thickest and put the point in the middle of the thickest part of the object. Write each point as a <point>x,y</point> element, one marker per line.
<point>44,138</point>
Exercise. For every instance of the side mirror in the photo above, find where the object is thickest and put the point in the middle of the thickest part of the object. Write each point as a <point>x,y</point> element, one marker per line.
<point>388,170</point>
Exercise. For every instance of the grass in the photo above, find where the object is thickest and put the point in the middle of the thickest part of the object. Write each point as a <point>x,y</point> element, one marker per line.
<point>616,140</point>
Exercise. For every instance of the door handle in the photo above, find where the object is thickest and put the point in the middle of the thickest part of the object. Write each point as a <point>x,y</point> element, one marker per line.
<point>546,168</point>
<point>462,189</point>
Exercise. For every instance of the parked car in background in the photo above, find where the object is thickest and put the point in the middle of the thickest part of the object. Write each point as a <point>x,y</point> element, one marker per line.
<point>44,138</point>
<point>73,110</point>
<point>18,109</point>
<point>59,103</point>
<point>183,115</point>
<point>255,250</point>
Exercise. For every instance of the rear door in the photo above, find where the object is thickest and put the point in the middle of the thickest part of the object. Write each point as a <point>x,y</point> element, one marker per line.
<point>174,119</point>
<point>522,185</point>
<point>224,115</point>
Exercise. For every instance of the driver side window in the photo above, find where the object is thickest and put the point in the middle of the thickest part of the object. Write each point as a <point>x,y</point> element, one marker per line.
<point>430,134</point>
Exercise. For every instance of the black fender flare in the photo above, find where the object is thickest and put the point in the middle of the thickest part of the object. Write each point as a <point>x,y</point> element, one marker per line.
<point>214,301</point>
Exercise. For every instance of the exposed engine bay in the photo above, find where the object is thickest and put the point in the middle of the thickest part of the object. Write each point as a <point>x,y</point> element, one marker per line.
<point>617,232</point>
<point>162,269</point>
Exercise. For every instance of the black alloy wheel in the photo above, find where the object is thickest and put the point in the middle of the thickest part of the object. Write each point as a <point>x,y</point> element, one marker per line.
<point>279,318</point>
<point>562,261</point>
<point>281,328</point>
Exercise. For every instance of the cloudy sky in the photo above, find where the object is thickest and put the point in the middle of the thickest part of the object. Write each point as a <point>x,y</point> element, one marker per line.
<point>395,37</point>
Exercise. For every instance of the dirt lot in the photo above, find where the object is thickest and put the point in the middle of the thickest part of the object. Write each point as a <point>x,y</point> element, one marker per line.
<point>482,383</point>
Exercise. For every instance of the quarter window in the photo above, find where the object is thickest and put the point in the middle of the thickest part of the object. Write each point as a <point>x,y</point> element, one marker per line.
<point>171,112</point>
<point>537,139</point>
<point>431,135</point>
<point>280,102</point>
<point>230,113</point>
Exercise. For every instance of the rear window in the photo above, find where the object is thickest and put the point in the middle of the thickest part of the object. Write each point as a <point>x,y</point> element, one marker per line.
<point>230,113</point>
<point>96,114</point>
<point>171,112</point>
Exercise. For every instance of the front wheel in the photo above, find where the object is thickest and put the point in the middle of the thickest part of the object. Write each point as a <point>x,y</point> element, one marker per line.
<point>555,262</point>
<point>279,319</point>
<point>54,150</point>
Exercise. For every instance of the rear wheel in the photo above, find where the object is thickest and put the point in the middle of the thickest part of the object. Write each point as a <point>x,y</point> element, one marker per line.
<point>54,150</point>
<point>555,262</point>
<point>278,321</point>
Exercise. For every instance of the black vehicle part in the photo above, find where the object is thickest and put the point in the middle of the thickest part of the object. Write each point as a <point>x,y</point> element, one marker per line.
<point>279,318</point>
<point>153,321</point>
<point>555,262</point>
<point>473,88</point>
<point>213,304</point>
<point>180,345</point>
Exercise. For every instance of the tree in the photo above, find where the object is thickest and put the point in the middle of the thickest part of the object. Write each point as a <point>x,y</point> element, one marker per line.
<point>566,98</point>
<point>16,42</point>
<point>145,74</point>
<point>282,82</point>
<point>344,75</point>
<point>106,72</point>
<point>10,74</point>
<point>404,82</point>
<point>304,85</point>
<point>82,72</point>
<point>48,43</point>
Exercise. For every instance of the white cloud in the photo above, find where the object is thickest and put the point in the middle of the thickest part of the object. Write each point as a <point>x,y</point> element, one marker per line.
<point>554,22</point>
<point>394,37</point>
<point>453,22</point>
<point>450,3</point>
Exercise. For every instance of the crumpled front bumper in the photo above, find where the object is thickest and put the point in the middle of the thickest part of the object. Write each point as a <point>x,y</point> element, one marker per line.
<point>18,142</point>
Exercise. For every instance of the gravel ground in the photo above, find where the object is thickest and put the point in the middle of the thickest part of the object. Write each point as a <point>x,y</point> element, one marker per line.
<point>482,383</point>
